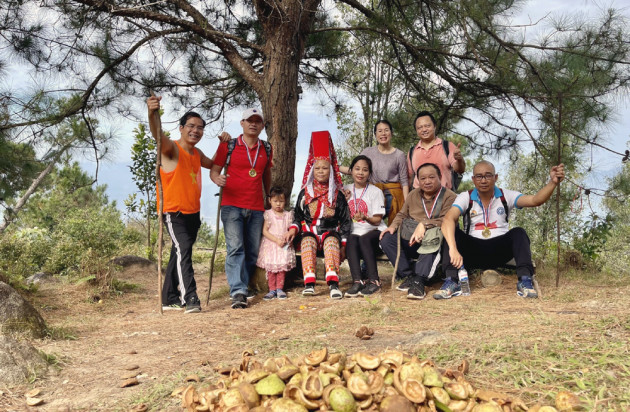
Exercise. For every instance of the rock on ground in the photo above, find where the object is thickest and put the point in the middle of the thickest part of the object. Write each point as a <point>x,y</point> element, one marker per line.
<point>130,260</point>
<point>19,361</point>
<point>19,316</point>
<point>38,277</point>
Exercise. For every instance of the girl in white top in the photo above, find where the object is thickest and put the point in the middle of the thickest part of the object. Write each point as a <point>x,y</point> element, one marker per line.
<point>367,207</point>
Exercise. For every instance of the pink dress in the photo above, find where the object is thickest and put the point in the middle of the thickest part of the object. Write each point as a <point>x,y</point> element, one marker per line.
<point>272,257</point>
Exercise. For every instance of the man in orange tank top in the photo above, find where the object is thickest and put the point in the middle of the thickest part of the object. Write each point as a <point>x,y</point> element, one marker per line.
<point>180,171</point>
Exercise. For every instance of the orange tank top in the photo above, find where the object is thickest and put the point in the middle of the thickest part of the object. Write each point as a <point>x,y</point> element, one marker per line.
<point>182,186</point>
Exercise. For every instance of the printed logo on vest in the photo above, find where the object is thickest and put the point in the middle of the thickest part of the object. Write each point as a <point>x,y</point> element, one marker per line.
<point>500,211</point>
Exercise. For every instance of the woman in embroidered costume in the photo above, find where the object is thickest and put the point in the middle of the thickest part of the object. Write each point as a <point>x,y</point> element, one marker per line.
<point>322,217</point>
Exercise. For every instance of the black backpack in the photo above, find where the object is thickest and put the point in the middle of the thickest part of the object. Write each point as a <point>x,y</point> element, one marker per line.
<point>466,215</point>
<point>456,178</point>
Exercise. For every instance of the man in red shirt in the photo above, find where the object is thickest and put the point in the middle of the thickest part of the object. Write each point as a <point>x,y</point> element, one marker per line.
<point>242,203</point>
<point>180,172</point>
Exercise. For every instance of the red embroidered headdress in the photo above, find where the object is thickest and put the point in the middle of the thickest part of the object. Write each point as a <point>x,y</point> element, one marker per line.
<point>321,149</point>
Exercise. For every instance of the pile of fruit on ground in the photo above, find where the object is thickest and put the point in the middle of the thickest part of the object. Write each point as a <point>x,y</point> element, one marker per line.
<point>391,381</point>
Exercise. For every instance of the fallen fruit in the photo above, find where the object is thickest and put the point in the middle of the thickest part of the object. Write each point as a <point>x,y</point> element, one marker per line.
<point>129,382</point>
<point>34,401</point>
<point>33,393</point>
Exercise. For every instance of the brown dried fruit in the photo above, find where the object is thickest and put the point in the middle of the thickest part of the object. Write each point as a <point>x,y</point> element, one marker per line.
<point>487,407</point>
<point>223,370</point>
<point>366,337</point>
<point>361,332</point>
<point>232,398</point>
<point>129,375</point>
<point>249,394</point>
<point>33,393</point>
<point>178,391</point>
<point>392,358</point>
<point>287,371</point>
<point>567,401</point>
<point>414,390</point>
<point>397,403</point>
<point>141,407</point>
<point>34,401</point>
<point>131,367</point>
<point>464,367</point>
<point>287,405</point>
<point>129,382</point>
<point>367,361</point>
<point>256,375</point>
<point>187,396</point>
<point>312,385</point>
<point>192,378</point>
<point>297,395</point>
<point>316,357</point>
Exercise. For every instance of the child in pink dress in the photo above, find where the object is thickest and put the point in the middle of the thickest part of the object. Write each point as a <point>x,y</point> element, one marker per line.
<point>276,254</point>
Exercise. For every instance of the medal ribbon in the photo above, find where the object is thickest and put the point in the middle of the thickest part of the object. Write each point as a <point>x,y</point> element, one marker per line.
<point>430,214</point>
<point>486,215</point>
<point>253,165</point>
<point>356,203</point>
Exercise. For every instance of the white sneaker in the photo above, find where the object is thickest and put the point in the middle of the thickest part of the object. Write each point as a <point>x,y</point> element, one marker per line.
<point>335,293</point>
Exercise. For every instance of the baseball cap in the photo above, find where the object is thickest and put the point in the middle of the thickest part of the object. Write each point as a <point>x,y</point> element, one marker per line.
<point>252,112</point>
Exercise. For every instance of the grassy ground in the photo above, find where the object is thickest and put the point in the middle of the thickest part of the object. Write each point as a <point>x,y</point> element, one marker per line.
<point>575,338</point>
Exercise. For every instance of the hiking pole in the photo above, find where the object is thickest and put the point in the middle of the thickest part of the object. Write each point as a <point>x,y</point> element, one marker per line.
<point>214,248</point>
<point>158,178</point>
<point>396,265</point>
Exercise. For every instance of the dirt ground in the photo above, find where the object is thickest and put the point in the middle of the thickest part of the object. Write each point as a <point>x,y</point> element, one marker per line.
<point>101,336</point>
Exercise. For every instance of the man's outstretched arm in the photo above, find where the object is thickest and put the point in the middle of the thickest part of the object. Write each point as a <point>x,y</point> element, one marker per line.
<point>153,105</point>
<point>557,175</point>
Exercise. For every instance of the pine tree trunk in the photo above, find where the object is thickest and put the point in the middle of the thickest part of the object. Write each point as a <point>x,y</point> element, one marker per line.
<point>285,27</point>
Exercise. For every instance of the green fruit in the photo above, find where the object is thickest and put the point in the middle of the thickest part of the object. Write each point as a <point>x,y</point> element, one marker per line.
<point>431,377</point>
<point>271,385</point>
<point>341,400</point>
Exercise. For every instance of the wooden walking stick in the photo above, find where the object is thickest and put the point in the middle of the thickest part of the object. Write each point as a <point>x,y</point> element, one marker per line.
<point>161,202</point>
<point>396,265</point>
<point>214,248</point>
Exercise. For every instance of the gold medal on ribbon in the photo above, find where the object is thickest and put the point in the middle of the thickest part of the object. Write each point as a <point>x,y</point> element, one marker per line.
<point>486,232</point>
<point>252,173</point>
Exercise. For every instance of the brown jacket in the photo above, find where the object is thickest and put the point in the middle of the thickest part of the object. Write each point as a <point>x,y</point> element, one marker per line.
<point>414,209</point>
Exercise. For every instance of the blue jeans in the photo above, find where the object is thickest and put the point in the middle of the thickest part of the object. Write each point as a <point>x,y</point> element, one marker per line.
<point>388,204</point>
<point>243,231</point>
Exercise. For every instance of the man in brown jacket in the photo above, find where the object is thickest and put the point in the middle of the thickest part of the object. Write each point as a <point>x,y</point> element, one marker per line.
<point>427,205</point>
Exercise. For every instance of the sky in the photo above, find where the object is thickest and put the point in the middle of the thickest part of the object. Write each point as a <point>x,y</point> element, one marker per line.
<point>312,117</point>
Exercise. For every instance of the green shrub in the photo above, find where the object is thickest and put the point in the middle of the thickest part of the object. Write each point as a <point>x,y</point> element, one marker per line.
<point>24,252</point>
<point>87,238</point>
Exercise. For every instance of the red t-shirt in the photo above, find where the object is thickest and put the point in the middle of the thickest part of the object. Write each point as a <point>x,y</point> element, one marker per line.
<point>241,189</point>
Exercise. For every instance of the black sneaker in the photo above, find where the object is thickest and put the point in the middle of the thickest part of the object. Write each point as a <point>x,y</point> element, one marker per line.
<point>251,294</point>
<point>193,305</point>
<point>405,285</point>
<point>355,289</point>
<point>371,288</point>
<point>416,291</point>
<point>239,301</point>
